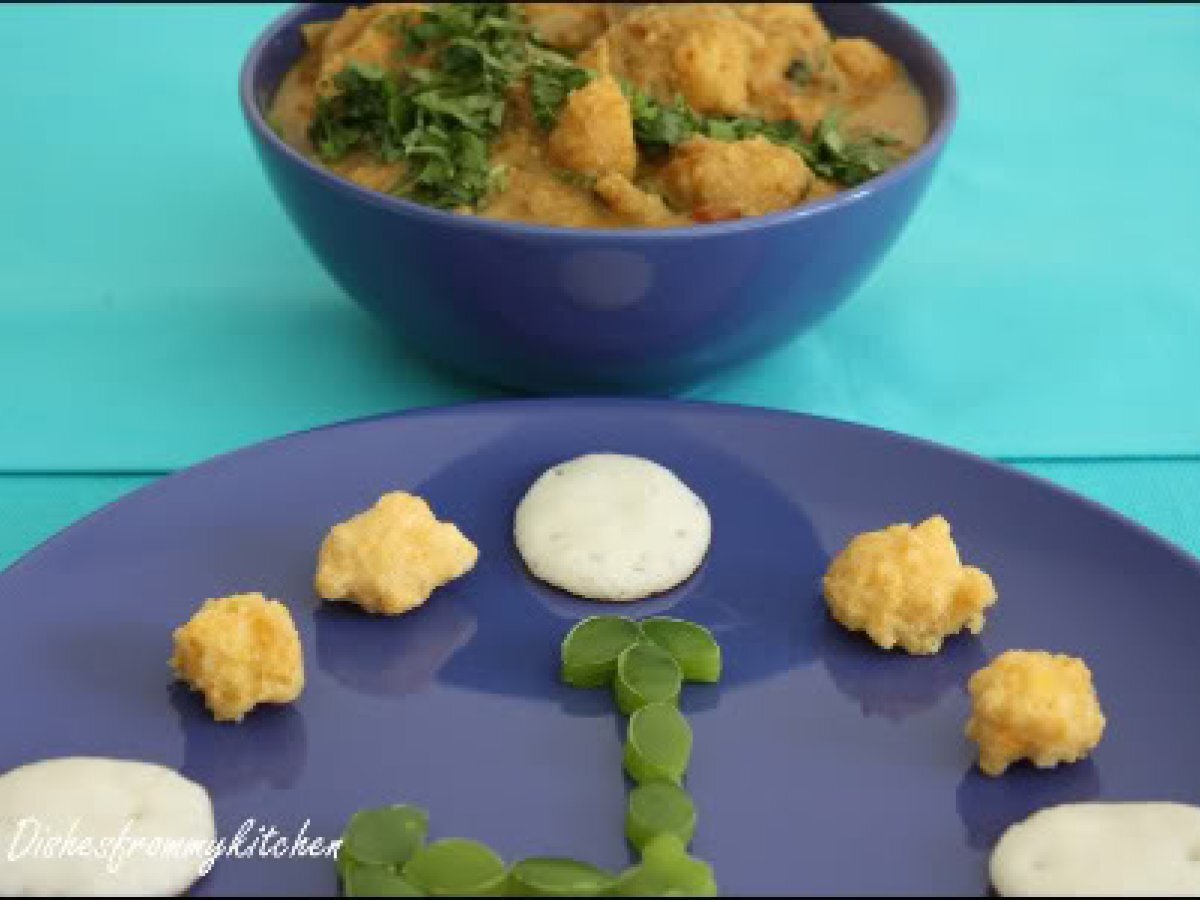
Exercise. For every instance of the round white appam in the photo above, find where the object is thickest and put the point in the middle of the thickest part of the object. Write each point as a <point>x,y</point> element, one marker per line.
<point>111,804</point>
<point>1101,850</point>
<point>606,526</point>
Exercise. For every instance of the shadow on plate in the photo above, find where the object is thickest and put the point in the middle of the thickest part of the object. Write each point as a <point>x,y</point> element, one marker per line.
<point>390,655</point>
<point>990,805</point>
<point>894,684</point>
<point>267,748</point>
<point>125,661</point>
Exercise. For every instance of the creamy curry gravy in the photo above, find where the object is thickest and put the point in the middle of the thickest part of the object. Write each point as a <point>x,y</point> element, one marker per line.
<point>775,61</point>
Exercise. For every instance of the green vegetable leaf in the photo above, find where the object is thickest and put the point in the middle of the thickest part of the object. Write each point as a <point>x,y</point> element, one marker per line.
<point>693,646</point>
<point>592,647</point>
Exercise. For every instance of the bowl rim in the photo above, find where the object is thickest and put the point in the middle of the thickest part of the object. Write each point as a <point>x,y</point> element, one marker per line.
<point>926,155</point>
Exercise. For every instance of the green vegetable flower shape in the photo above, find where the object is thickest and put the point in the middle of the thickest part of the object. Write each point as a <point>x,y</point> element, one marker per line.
<point>384,853</point>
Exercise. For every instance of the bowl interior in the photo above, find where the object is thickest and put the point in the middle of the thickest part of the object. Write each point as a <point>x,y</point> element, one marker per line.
<point>923,61</point>
<point>282,44</point>
<point>280,47</point>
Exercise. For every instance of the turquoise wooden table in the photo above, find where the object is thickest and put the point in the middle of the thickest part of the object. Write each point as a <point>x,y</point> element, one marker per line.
<point>1043,308</point>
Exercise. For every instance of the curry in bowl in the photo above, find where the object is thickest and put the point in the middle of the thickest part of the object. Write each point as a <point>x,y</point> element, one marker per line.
<point>603,115</point>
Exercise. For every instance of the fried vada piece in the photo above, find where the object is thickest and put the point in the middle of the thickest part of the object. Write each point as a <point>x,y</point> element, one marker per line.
<point>712,67</point>
<point>718,180</point>
<point>790,30</point>
<point>866,67</point>
<point>391,557</point>
<point>361,36</point>
<point>1029,704</point>
<point>594,133</point>
<point>238,652</point>
<point>567,26</point>
<point>634,205</point>
<point>905,586</point>
<point>700,51</point>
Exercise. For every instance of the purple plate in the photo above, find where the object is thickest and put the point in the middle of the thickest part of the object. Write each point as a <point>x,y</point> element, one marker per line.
<point>821,765</point>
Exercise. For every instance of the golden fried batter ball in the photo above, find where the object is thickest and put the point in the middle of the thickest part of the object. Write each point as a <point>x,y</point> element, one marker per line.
<point>712,65</point>
<point>238,652</point>
<point>1029,704</point>
<point>594,133</point>
<point>391,557</point>
<point>567,26</point>
<point>904,586</point>
<point>866,66</point>
<point>794,25</point>
<point>791,76</point>
<point>701,51</point>
<point>719,180</point>
<point>360,36</point>
<point>631,203</point>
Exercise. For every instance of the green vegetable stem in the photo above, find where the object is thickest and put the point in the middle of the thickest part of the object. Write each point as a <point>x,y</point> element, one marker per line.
<point>646,673</point>
<point>658,745</point>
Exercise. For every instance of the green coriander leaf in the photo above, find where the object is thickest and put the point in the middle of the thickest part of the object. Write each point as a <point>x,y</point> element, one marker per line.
<point>438,119</point>
<point>657,126</point>
<point>832,154</point>
<point>550,83</point>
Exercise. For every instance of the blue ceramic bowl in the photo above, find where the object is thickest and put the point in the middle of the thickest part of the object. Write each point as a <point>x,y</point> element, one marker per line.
<point>570,309</point>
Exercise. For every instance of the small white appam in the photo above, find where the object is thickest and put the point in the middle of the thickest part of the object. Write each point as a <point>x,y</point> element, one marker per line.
<point>1101,850</point>
<point>49,809</point>
<point>606,526</point>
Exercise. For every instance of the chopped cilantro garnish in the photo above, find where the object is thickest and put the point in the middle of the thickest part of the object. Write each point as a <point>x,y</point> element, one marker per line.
<point>552,77</point>
<point>657,126</point>
<point>740,128</point>
<point>440,118</point>
<point>352,118</point>
<point>832,155</point>
<point>829,152</point>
